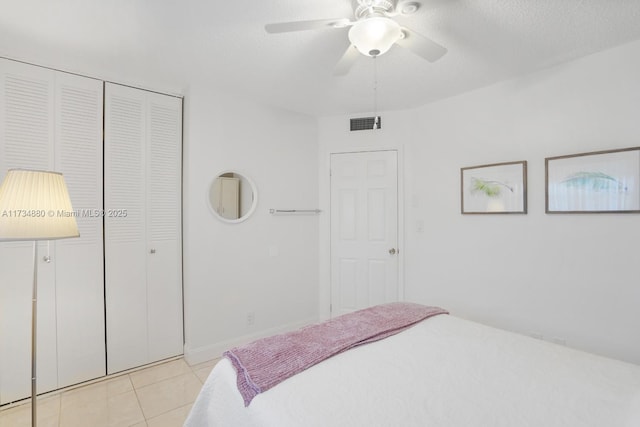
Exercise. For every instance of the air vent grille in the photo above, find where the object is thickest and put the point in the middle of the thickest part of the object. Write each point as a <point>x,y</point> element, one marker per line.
<point>366,123</point>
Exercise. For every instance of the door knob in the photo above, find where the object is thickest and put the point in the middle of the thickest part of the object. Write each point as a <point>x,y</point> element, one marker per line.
<point>392,251</point>
<point>152,251</point>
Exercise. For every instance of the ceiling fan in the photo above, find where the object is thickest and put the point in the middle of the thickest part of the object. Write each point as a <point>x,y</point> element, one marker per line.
<point>373,31</point>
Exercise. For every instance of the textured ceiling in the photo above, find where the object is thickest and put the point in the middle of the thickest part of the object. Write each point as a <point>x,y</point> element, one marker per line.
<point>169,44</point>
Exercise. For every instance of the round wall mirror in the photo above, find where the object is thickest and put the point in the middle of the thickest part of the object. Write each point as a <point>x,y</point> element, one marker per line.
<point>232,197</point>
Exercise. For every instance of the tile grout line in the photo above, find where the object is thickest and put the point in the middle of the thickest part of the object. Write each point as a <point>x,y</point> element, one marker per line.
<point>59,410</point>
<point>164,380</point>
<point>135,390</point>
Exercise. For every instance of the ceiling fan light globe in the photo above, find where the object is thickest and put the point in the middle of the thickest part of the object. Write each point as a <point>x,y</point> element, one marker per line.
<point>374,36</point>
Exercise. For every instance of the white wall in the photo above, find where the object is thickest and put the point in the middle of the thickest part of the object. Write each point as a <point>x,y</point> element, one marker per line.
<point>266,265</point>
<point>568,277</point>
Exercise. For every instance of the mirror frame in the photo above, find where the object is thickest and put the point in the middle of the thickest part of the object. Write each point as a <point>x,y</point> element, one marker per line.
<point>251,210</point>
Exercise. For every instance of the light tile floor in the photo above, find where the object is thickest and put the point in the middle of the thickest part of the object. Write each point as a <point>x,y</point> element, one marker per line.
<point>157,396</point>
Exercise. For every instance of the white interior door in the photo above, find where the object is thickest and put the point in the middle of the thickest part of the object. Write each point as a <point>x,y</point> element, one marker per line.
<point>364,230</point>
<point>229,204</point>
<point>225,196</point>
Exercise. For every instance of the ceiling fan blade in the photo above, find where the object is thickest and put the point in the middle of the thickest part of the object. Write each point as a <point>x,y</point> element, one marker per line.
<point>421,45</point>
<point>346,62</point>
<point>285,27</point>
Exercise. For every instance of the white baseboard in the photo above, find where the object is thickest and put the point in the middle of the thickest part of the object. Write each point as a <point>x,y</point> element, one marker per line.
<point>193,356</point>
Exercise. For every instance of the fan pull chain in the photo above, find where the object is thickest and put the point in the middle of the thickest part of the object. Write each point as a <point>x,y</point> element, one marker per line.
<point>375,93</point>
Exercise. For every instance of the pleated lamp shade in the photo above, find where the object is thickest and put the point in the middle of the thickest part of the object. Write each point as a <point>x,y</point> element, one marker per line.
<point>35,205</point>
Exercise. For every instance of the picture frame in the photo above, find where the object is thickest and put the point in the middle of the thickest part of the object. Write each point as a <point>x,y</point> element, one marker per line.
<point>498,188</point>
<point>596,182</point>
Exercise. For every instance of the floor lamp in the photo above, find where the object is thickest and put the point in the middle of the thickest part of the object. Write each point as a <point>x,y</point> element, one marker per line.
<point>35,205</point>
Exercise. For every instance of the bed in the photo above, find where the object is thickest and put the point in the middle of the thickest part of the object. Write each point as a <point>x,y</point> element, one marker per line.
<point>442,371</point>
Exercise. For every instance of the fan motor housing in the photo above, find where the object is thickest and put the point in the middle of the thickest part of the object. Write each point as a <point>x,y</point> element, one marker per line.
<point>367,8</point>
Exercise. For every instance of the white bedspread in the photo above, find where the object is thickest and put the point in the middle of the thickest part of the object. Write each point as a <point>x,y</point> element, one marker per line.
<point>443,372</point>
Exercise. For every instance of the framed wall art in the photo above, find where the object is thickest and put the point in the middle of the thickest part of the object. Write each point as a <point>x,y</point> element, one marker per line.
<point>499,188</point>
<point>597,182</point>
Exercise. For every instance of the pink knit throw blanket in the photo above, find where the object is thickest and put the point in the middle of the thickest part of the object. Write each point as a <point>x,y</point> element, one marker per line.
<point>266,362</point>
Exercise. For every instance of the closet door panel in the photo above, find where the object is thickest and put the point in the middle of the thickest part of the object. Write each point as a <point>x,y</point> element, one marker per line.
<point>26,116</point>
<point>125,235</point>
<point>26,123</point>
<point>164,302</point>
<point>164,272</point>
<point>16,274</point>
<point>47,357</point>
<point>79,261</point>
<point>126,307</point>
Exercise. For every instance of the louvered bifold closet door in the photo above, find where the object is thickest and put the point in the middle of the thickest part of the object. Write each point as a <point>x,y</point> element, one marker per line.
<point>164,261</point>
<point>26,123</point>
<point>142,227</point>
<point>125,236</point>
<point>52,121</point>
<point>80,262</point>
